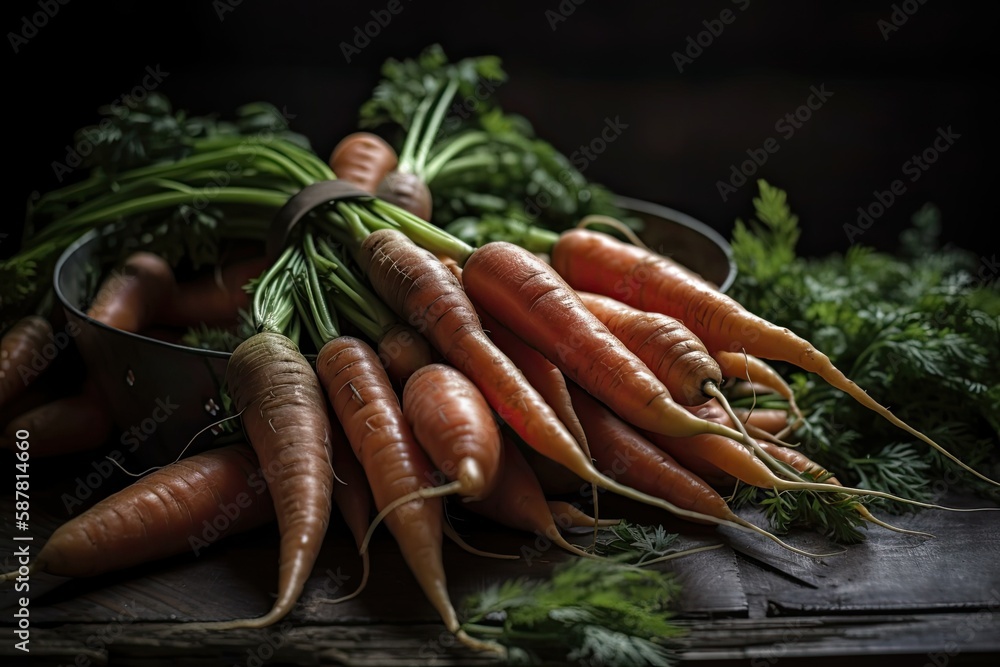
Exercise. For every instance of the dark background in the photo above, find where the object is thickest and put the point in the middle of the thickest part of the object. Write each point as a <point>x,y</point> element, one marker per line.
<point>606,60</point>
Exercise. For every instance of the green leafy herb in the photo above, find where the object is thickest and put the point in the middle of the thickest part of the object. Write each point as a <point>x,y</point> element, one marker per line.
<point>918,329</point>
<point>599,612</point>
<point>635,543</point>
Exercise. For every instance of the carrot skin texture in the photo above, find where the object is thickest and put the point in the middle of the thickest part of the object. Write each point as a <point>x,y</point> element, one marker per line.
<point>161,514</point>
<point>353,497</point>
<point>403,351</point>
<point>76,423</point>
<point>645,467</point>
<point>214,300</point>
<point>543,375</point>
<point>365,403</point>
<point>675,355</point>
<point>18,348</point>
<point>422,290</point>
<point>407,191</point>
<point>131,300</point>
<point>285,419</point>
<point>534,302</point>
<point>771,420</point>
<point>518,501</point>
<point>363,158</point>
<point>455,426</point>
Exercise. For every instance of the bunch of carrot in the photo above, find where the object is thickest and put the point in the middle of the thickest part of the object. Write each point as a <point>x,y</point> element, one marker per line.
<point>441,369</point>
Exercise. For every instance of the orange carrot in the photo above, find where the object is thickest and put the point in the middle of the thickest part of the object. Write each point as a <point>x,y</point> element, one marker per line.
<point>519,503</point>
<point>165,513</point>
<point>284,415</point>
<point>76,423</point>
<point>352,495</point>
<point>639,463</point>
<point>597,262</point>
<point>772,420</point>
<point>131,299</point>
<point>667,347</point>
<point>454,424</point>
<point>362,397</point>
<point>363,158</point>
<point>403,351</point>
<point>22,345</point>
<point>213,300</point>
<point>752,369</point>
<point>541,373</point>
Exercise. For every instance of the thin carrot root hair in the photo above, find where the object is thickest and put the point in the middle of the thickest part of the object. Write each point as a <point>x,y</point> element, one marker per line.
<point>453,535</point>
<point>577,518</point>
<point>800,463</point>
<point>784,477</point>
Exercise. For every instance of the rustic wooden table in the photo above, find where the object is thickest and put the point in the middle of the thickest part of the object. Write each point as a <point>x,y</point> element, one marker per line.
<point>922,601</point>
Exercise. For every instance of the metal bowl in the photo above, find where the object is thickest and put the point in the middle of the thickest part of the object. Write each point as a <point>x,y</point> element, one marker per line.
<point>162,394</point>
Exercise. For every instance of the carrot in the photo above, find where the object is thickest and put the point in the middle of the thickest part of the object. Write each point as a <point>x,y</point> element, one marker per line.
<point>752,369</point>
<point>650,469</point>
<point>408,191</point>
<point>597,262</point>
<point>352,496</point>
<point>213,300</point>
<point>21,345</point>
<point>363,158</point>
<point>541,373</point>
<point>534,302</point>
<point>421,289</point>
<point>165,513</point>
<point>130,300</point>
<point>364,402</point>
<point>573,517</point>
<point>667,347</point>
<point>771,420</point>
<point>454,424</point>
<point>285,419</point>
<point>76,423</point>
<point>519,503</point>
<point>403,351</point>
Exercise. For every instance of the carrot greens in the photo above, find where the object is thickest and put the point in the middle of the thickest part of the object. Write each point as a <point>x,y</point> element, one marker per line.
<point>919,327</point>
<point>598,612</point>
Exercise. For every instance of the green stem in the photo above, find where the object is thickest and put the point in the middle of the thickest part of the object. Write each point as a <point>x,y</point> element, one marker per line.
<point>455,146</point>
<point>433,126</point>
<point>407,155</point>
